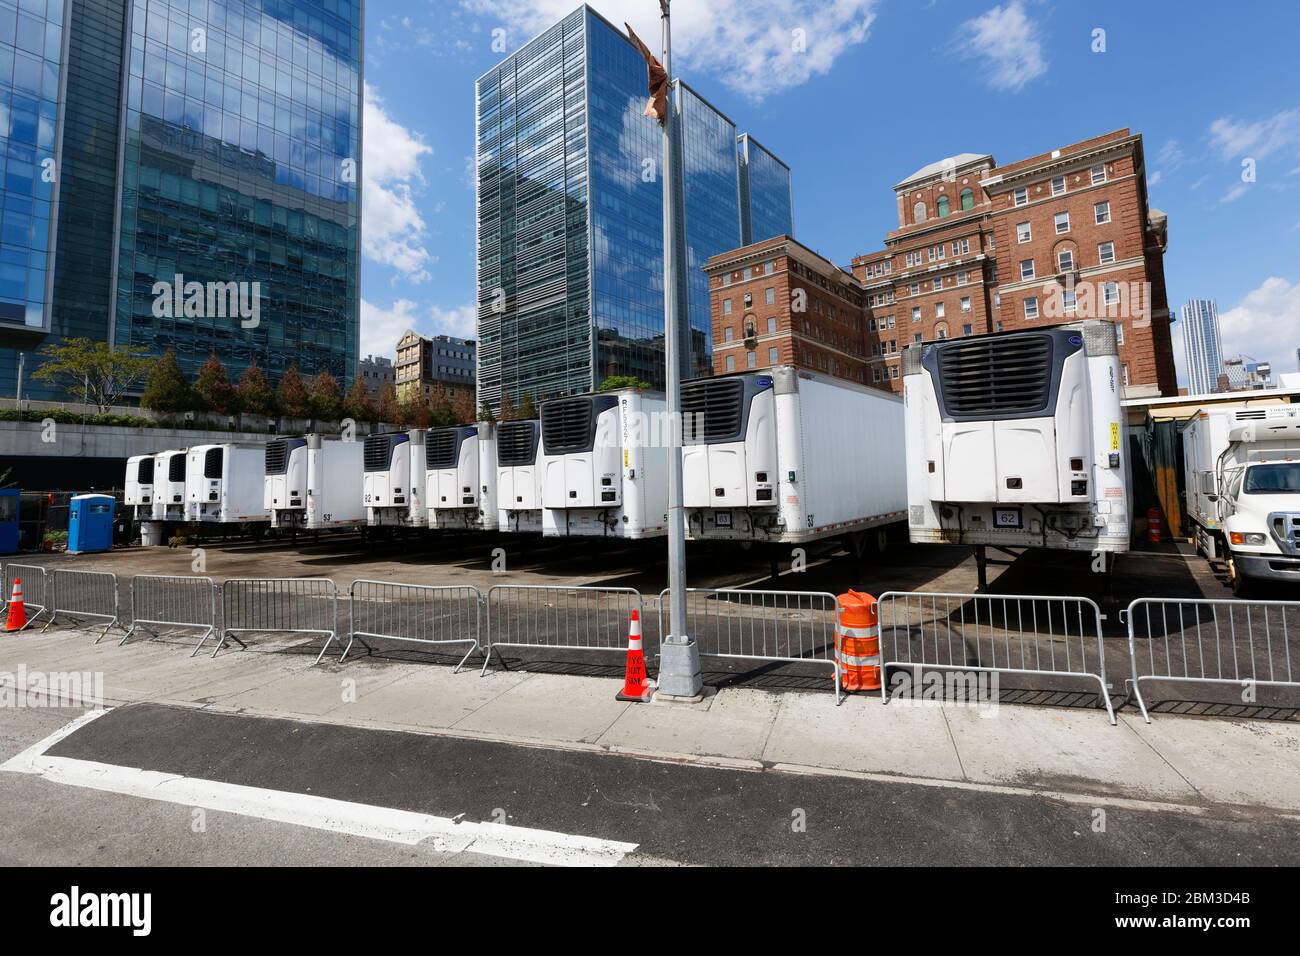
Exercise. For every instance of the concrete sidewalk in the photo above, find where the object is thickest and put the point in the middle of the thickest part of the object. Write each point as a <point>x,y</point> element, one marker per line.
<point>1068,754</point>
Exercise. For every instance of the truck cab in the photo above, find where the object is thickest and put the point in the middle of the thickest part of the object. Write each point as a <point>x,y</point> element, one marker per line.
<point>1260,516</point>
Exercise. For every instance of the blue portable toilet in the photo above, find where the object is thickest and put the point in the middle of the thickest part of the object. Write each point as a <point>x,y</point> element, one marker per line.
<point>90,523</point>
<point>9,499</point>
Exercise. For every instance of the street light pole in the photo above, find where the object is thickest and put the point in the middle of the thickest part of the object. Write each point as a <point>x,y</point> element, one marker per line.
<point>679,667</point>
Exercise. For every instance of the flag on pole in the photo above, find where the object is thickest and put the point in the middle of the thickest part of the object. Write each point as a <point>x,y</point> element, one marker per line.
<point>657,106</point>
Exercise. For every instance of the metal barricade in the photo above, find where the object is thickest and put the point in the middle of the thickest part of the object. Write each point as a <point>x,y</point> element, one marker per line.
<point>290,605</point>
<point>1212,641</point>
<point>88,594</point>
<point>797,627</point>
<point>1046,635</point>
<point>415,613</point>
<point>558,618</point>
<point>163,600</point>
<point>35,590</point>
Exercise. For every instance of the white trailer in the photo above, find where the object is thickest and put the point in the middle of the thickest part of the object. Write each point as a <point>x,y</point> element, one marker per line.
<point>1015,440</point>
<point>790,456</point>
<point>1242,468</point>
<point>224,483</point>
<point>519,479</point>
<point>138,497</point>
<point>460,470</point>
<point>604,465</point>
<point>314,482</point>
<point>393,486</point>
<point>169,485</point>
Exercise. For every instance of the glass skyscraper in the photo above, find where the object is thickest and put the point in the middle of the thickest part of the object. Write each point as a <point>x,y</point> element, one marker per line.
<point>214,143</point>
<point>767,203</point>
<point>570,215</point>
<point>1202,346</point>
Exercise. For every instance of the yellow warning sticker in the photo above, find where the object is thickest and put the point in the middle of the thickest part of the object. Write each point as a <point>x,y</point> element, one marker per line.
<point>1114,436</point>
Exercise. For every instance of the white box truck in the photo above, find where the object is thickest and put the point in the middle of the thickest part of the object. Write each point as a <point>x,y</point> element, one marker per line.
<point>1015,440</point>
<point>169,485</point>
<point>460,473</point>
<point>137,499</point>
<point>788,456</point>
<point>519,479</point>
<point>393,485</point>
<point>314,482</point>
<point>1242,469</point>
<point>604,464</point>
<point>224,483</point>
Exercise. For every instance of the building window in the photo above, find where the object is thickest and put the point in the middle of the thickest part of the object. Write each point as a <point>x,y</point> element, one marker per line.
<point>967,329</point>
<point>962,277</point>
<point>938,310</point>
<point>965,303</point>
<point>1031,307</point>
<point>1106,253</point>
<point>1022,196</point>
<point>728,334</point>
<point>768,267</point>
<point>749,273</point>
<point>770,295</point>
<point>1119,333</point>
<point>890,320</point>
<point>1065,261</point>
<point>726,307</point>
<point>938,283</point>
<point>1110,293</point>
<point>726,278</point>
<point>875,373</point>
<point>1098,174</point>
<point>916,288</point>
<point>1062,221</point>
<point>1026,268</point>
<point>751,360</point>
<point>916,338</point>
<point>968,198</point>
<point>942,206</point>
<point>1126,375</point>
<point>731,363</point>
<point>916,314</point>
<point>1101,212</point>
<point>749,299</point>
<point>1068,303</point>
<point>893,371</point>
<point>941,330</point>
<point>771,325</point>
<point>772,356</point>
<point>871,325</point>
<point>1058,185</point>
<point>918,212</point>
<point>998,325</point>
<point>1024,232</point>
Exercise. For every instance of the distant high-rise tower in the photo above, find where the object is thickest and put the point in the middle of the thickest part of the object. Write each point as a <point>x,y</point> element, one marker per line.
<point>1203,348</point>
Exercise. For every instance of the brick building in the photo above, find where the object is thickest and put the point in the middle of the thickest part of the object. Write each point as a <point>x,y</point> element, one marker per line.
<point>979,248</point>
<point>426,363</point>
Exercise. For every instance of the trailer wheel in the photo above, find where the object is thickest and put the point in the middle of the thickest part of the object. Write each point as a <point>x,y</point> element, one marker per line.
<point>1242,587</point>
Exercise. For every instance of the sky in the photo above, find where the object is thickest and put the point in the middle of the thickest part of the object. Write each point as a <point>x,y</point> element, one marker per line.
<point>855,95</point>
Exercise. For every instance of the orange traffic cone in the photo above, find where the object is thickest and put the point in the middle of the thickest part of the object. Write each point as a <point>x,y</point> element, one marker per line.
<point>17,611</point>
<point>636,686</point>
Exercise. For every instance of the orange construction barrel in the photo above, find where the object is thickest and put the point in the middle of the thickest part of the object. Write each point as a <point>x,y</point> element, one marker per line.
<point>857,642</point>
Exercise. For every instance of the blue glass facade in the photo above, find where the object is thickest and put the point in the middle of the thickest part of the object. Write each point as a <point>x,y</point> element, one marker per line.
<point>767,204</point>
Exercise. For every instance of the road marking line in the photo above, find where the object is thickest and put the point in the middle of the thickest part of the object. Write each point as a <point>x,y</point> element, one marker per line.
<point>443,834</point>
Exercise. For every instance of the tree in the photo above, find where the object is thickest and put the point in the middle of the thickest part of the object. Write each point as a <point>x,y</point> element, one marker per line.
<point>291,394</point>
<point>168,390</point>
<point>357,404</point>
<point>390,413</point>
<point>213,389</point>
<point>416,414</point>
<point>255,395</point>
<point>507,408</point>
<point>485,413</point>
<point>462,407</point>
<point>527,409</point>
<point>102,374</point>
<point>623,381</point>
<point>440,411</point>
<point>325,398</point>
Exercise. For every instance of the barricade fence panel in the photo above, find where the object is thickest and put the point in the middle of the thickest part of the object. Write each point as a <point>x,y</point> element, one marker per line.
<point>414,613</point>
<point>162,600</point>
<point>559,617</point>
<point>793,626</point>
<point>304,605</point>
<point>83,594</point>
<point>1046,635</point>
<point>1211,641</point>
<point>36,596</point>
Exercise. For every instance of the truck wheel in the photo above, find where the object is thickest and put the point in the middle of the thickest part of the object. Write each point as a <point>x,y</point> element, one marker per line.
<point>1241,587</point>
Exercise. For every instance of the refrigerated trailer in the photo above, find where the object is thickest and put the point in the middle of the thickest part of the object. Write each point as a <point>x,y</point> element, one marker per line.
<point>789,456</point>
<point>519,479</point>
<point>137,499</point>
<point>1016,439</point>
<point>604,465</point>
<point>393,484</point>
<point>313,482</point>
<point>460,473</point>
<point>169,485</point>
<point>224,483</point>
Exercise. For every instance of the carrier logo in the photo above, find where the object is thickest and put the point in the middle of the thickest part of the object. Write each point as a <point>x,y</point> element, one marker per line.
<point>75,909</point>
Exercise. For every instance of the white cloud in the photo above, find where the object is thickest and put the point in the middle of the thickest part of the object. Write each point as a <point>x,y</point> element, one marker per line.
<point>1171,154</point>
<point>755,47</point>
<point>459,322</point>
<point>1154,178</point>
<point>392,229</point>
<point>381,326</point>
<point>1261,138</point>
<point>1235,193</point>
<point>1264,324</point>
<point>1010,44</point>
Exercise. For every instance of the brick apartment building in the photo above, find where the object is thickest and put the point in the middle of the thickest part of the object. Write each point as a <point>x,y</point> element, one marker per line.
<point>984,248</point>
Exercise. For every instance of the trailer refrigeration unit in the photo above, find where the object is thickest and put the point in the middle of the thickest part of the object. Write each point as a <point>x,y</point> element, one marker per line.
<point>169,485</point>
<point>393,485</point>
<point>788,456</point>
<point>1243,491</point>
<point>460,473</point>
<point>1014,440</point>
<point>604,465</point>
<point>224,483</point>
<point>313,482</point>
<point>137,499</point>
<point>519,479</point>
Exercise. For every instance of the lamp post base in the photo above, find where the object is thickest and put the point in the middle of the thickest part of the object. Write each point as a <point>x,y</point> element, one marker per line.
<point>679,672</point>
